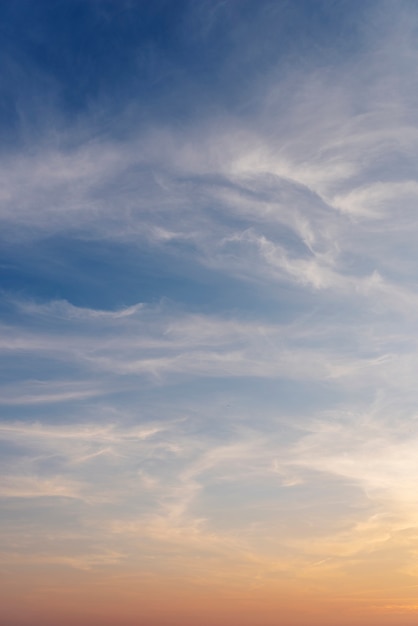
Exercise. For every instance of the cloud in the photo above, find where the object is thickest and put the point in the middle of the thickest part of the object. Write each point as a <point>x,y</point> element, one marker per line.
<point>208,333</point>
<point>378,456</point>
<point>32,487</point>
<point>153,341</point>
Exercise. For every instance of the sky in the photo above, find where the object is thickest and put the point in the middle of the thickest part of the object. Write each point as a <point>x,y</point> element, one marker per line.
<point>208,312</point>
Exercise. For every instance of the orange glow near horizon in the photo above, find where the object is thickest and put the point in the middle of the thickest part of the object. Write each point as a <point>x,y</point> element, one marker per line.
<point>88,599</point>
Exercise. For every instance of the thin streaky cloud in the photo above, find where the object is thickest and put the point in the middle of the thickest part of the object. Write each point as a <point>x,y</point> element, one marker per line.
<point>208,312</point>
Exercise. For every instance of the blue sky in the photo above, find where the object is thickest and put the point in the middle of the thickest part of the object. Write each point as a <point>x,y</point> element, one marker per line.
<point>209,293</point>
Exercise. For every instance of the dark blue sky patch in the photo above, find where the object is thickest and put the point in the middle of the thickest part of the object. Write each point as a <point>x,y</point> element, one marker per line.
<point>65,59</point>
<point>105,275</point>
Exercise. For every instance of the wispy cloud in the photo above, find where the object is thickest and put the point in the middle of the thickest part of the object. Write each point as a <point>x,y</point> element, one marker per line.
<point>208,338</point>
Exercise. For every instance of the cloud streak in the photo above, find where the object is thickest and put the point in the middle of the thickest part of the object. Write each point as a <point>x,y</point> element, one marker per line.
<point>208,313</point>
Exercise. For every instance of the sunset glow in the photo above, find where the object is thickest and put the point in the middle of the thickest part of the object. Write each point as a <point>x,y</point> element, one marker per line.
<point>209,313</point>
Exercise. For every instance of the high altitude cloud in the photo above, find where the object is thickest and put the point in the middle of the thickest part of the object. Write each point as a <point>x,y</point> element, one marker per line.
<point>208,336</point>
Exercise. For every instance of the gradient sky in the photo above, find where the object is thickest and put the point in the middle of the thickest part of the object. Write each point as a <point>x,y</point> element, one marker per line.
<point>209,312</point>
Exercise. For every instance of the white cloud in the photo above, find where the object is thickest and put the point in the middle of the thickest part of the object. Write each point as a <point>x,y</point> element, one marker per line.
<point>310,196</point>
